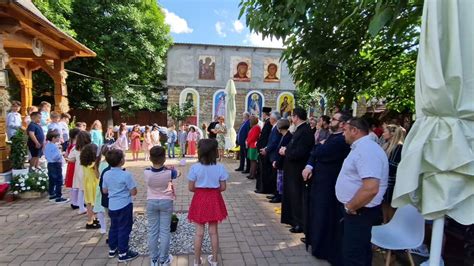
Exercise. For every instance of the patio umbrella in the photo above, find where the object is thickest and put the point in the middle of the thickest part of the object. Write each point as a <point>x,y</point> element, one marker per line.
<point>436,173</point>
<point>230,114</point>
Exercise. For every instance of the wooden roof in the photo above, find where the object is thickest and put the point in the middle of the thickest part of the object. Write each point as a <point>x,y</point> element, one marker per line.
<point>22,24</point>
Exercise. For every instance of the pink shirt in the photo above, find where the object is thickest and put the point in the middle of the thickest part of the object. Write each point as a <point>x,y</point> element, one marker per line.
<point>157,183</point>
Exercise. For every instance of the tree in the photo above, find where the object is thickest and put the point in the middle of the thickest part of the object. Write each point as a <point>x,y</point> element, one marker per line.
<point>329,48</point>
<point>180,113</point>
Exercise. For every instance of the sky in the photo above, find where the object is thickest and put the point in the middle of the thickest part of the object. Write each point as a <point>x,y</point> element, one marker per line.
<point>211,22</point>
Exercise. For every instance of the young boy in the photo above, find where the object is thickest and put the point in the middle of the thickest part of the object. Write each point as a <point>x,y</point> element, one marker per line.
<point>13,119</point>
<point>160,197</point>
<point>120,186</point>
<point>64,125</point>
<point>55,125</point>
<point>55,162</point>
<point>35,139</point>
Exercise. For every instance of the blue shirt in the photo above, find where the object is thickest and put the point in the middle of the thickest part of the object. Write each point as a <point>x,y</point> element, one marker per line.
<point>52,153</point>
<point>119,183</point>
<point>207,176</point>
<point>38,131</point>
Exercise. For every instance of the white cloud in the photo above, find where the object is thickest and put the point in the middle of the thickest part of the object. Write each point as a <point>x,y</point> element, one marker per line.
<point>177,24</point>
<point>220,28</point>
<point>255,39</point>
<point>238,26</point>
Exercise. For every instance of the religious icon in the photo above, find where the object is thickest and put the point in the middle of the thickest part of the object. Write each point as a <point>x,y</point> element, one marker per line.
<point>219,104</point>
<point>190,97</point>
<point>240,69</point>
<point>255,104</point>
<point>207,67</point>
<point>286,104</point>
<point>272,70</point>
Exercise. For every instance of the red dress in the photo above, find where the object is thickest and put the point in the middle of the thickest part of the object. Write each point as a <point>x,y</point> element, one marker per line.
<point>70,168</point>
<point>192,139</point>
<point>135,143</point>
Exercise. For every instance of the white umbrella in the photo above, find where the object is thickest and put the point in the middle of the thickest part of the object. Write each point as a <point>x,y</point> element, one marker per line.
<point>436,172</point>
<point>230,114</point>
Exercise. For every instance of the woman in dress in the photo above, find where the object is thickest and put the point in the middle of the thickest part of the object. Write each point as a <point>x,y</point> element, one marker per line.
<point>394,137</point>
<point>251,142</point>
<point>135,141</point>
<point>220,130</point>
<point>147,143</point>
<point>192,139</point>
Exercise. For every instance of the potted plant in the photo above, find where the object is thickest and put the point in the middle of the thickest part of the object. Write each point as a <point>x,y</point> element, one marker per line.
<point>18,153</point>
<point>174,223</point>
<point>31,185</point>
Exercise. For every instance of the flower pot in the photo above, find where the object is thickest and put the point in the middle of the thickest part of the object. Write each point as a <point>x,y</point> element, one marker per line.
<point>174,225</point>
<point>17,172</point>
<point>31,195</point>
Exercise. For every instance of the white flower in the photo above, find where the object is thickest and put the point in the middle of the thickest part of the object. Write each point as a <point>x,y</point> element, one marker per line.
<point>38,183</point>
<point>28,188</point>
<point>43,187</point>
<point>15,192</point>
<point>23,188</point>
<point>17,185</point>
<point>22,184</point>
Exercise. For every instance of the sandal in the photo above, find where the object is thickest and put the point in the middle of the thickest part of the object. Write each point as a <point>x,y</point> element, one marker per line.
<point>209,259</point>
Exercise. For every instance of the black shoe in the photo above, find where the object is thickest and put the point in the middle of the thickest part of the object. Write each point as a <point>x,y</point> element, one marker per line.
<point>239,170</point>
<point>270,197</point>
<point>246,172</point>
<point>275,200</point>
<point>303,239</point>
<point>130,255</point>
<point>96,221</point>
<point>250,177</point>
<point>112,253</point>
<point>92,226</point>
<point>74,207</point>
<point>259,192</point>
<point>296,229</point>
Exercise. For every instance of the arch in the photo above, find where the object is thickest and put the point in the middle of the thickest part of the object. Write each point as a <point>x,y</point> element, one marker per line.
<point>260,103</point>
<point>288,110</point>
<point>194,119</point>
<point>215,101</point>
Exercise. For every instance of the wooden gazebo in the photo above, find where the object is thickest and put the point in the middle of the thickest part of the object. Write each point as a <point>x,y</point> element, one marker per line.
<point>28,42</point>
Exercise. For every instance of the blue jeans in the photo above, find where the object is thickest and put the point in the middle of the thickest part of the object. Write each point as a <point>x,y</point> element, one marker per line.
<point>55,176</point>
<point>121,222</point>
<point>170,149</point>
<point>159,221</point>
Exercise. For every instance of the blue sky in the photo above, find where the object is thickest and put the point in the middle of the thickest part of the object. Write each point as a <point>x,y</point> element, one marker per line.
<point>210,22</point>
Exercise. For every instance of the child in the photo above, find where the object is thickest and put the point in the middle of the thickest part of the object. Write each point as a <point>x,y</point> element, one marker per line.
<point>109,136</point>
<point>13,119</point>
<point>192,139</point>
<point>55,171</point>
<point>122,140</point>
<point>64,124</point>
<point>96,133</point>
<point>147,143</point>
<point>207,180</point>
<point>155,136</point>
<point>35,139</point>
<point>91,181</point>
<point>171,140</point>
<point>55,125</point>
<point>100,197</point>
<point>160,196</point>
<point>82,139</point>
<point>29,111</point>
<point>135,141</point>
<point>45,109</point>
<point>70,168</point>
<point>182,137</point>
<point>120,186</point>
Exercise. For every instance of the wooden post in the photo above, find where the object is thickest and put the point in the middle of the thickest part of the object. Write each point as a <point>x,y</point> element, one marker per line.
<point>60,87</point>
<point>5,164</point>
<point>24,75</point>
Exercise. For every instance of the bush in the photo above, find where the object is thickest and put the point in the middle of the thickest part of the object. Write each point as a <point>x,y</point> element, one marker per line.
<point>33,181</point>
<point>19,149</point>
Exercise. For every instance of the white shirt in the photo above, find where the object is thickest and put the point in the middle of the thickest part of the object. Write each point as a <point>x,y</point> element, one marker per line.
<point>13,123</point>
<point>366,160</point>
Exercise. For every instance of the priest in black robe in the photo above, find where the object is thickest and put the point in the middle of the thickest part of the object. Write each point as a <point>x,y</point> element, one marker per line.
<point>264,164</point>
<point>324,220</point>
<point>296,155</point>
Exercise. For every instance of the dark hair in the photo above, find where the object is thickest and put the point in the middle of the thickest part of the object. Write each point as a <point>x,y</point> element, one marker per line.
<point>65,115</point>
<point>242,64</point>
<point>283,123</point>
<point>359,123</point>
<point>88,154</point>
<point>103,151</point>
<point>326,119</point>
<point>73,132</point>
<point>51,135</point>
<point>194,130</point>
<point>35,114</point>
<point>344,116</point>
<point>83,138</point>
<point>114,157</point>
<point>272,64</point>
<point>207,151</point>
<point>17,103</point>
<point>253,121</point>
<point>158,155</point>
<point>301,113</point>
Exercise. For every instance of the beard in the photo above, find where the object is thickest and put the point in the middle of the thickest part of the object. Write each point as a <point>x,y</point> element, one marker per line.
<point>334,128</point>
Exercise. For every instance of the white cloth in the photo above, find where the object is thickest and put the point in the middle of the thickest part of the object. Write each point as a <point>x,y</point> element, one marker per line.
<point>366,160</point>
<point>13,123</point>
<point>77,181</point>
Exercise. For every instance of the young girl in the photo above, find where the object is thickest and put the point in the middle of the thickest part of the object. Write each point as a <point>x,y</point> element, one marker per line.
<point>82,139</point>
<point>192,139</point>
<point>147,144</point>
<point>207,180</point>
<point>122,140</point>
<point>135,142</point>
<point>99,209</point>
<point>109,136</point>
<point>45,109</point>
<point>96,133</point>
<point>91,181</point>
<point>155,136</point>
<point>70,168</point>
<point>160,197</point>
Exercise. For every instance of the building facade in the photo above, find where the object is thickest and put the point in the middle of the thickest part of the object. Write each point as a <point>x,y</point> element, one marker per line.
<point>198,73</point>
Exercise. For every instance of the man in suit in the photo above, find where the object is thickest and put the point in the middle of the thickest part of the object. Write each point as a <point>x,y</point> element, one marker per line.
<point>263,163</point>
<point>270,151</point>
<point>241,138</point>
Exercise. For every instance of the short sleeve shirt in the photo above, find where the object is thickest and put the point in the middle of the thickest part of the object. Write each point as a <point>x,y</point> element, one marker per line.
<point>119,183</point>
<point>366,160</point>
<point>38,131</point>
<point>207,176</point>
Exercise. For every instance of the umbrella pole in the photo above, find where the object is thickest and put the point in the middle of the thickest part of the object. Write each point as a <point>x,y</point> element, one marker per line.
<point>436,242</point>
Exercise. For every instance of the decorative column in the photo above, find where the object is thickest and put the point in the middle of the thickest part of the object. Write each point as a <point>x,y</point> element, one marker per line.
<point>5,164</point>
<point>60,87</point>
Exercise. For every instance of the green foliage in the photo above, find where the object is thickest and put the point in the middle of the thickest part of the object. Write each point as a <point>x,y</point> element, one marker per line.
<point>58,12</point>
<point>329,48</point>
<point>33,181</point>
<point>180,113</point>
<point>19,149</point>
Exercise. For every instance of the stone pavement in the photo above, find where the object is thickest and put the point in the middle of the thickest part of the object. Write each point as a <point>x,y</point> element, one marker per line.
<point>37,232</point>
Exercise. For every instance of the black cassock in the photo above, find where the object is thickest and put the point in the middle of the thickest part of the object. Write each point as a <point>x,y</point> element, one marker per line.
<point>264,165</point>
<point>296,156</point>
<point>325,211</point>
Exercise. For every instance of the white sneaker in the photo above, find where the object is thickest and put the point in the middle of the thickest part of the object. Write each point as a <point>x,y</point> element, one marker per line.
<point>209,259</point>
<point>199,263</point>
<point>168,261</point>
<point>420,251</point>
<point>427,262</point>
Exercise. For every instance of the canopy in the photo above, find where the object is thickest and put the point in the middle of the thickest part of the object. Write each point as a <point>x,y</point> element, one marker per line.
<point>436,172</point>
<point>230,114</point>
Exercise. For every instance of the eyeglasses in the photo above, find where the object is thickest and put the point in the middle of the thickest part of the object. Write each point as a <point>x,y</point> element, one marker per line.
<point>335,119</point>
